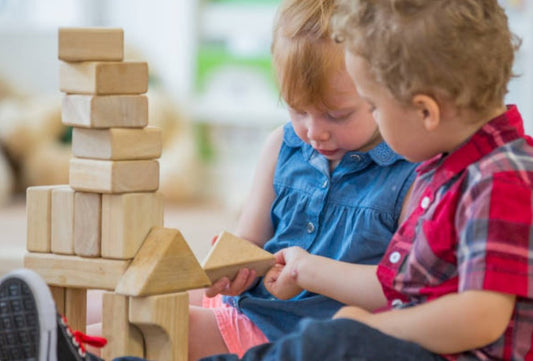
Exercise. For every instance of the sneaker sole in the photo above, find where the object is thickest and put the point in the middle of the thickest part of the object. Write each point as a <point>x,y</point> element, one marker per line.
<point>24,299</point>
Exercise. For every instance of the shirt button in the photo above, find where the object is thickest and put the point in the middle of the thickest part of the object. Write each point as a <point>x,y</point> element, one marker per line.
<point>395,257</point>
<point>310,227</point>
<point>325,184</point>
<point>356,157</point>
<point>396,303</point>
<point>425,202</point>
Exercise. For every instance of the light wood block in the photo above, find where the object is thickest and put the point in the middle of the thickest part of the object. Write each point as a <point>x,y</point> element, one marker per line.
<point>123,338</point>
<point>85,44</point>
<point>62,228</point>
<point>58,294</point>
<point>230,254</point>
<point>117,143</point>
<point>127,220</point>
<point>39,219</point>
<point>164,322</point>
<point>105,111</point>
<point>104,176</point>
<point>87,224</point>
<point>103,78</point>
<point>76,308</point>
<point>164,264</point>
<point>76,272</point>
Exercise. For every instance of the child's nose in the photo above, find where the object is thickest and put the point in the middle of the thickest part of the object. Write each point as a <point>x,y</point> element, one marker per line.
<point>317,133</point>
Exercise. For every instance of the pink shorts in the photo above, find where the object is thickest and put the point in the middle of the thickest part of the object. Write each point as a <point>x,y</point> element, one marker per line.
<point>237,330</point>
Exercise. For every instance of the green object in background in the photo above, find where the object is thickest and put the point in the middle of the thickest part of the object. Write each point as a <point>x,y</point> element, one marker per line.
<point>205,148</point>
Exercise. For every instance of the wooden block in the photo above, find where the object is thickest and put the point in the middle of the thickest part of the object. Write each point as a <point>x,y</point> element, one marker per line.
<point>58,294</point>
<point>126,221</point>
<point>105,176</point>
<point>105,111</point>
<point>103,78</point>
<point>76,308</point>
<point>230,254</point>
<point>164,264</point>
<point>62,228</point>
<point>38,213</point>
<point>76,272</point>
<point>117,143</point>
<point>87,224</point>
<point>164,322</point>
<point>85,44</point>
<point>123,338</point>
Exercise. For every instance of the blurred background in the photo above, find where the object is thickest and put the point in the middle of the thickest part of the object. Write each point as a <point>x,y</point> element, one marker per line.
<point>212,91</point>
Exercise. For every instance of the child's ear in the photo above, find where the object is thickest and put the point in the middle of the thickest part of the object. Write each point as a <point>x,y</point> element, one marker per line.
<point>428,110</point>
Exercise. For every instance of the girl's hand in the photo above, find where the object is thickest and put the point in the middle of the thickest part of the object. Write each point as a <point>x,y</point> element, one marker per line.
<point>282,279</point>
<point>244,279</point>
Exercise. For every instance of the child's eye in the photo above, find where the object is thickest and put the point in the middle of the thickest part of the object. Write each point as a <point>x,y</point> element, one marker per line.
<point>339,116</point>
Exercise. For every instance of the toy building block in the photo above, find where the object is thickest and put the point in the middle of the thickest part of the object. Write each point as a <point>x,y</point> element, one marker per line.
<point>123,338</point>
<point>38,213</point>
<point>230,253</point>
<point>164,322</point>
<point>58,294</point>
<point>164,264</point>
<point>76,272</point>
<point>117,143</point>
<point>126,221</point>
<point>87,224</point>
<point>105,111</point>
<point>103,78</point>
<point>85,44</point>
<point>110,176</point>
<point>76,308</point>
<point>62,227</point>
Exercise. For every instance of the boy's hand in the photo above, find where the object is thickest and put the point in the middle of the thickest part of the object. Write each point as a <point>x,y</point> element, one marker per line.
<point>244,279</point>
<point>282,279</point>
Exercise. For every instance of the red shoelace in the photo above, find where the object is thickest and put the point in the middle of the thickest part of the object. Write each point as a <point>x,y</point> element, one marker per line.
<point>80,339</point>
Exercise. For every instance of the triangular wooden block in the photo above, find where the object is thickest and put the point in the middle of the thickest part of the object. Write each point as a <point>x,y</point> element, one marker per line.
<point>164,264</point>
<point>231,253</point>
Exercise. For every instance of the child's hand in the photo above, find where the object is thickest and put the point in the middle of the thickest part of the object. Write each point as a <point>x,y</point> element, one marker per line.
<point>282,279</point>
<point>244,279</point>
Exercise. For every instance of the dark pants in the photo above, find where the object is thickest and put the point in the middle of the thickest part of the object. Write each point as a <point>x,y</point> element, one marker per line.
<point>332,340</point>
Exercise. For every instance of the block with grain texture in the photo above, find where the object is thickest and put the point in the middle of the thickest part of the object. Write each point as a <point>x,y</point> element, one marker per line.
<point>58,294</point>
<point>62,228</point>
<point>86,44</point>
<point>39,218</point>
<point>105,111</point>
<point>164,264</point>
<point>123,338</point>
<point>110,176</point>
<point>87,224</point>
<point>76,272</point>
<point>76,308</point>
<point>164,322</point>
<point>117,143</point>
<point>126,221</point>
<point>230,254</point>
<point>103,78</point>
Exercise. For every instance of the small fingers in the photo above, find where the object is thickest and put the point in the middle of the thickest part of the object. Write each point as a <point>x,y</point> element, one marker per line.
<point>218,287</point>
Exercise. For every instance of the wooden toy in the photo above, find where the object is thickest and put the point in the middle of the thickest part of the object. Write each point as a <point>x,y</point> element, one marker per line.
<point>62,218</point>
<point>38,212</point>
<point>76,308</point>
<point>87,224</point>
<point>85,44</point>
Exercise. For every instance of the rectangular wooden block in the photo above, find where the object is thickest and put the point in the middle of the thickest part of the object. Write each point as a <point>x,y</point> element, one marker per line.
<point>58,294</point>
<point>87,224</point>
<point>86,44</point>
<point>38,213</point>
<point>103,78</point>
<point>117,143</point>
<point>109,176</point>
<point>76,272</point>
<point>62,229</point>
<point>105,111</point>
<point>76,308</point>
<point>127,220</point>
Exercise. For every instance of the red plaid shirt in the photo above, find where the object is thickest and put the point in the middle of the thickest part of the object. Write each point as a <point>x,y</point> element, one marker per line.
<point>471,228</point>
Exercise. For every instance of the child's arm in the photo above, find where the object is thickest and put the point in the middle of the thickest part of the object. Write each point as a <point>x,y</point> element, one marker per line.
<point>454,323</point>
<point>254,223</point>
<point>347,283</point>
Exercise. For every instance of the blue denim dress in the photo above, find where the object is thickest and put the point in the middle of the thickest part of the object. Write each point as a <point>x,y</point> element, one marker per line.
<point>349,214</point>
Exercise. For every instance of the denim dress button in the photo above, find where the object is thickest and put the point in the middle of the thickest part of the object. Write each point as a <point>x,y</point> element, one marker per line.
<point>310,227</point>
<point>325,184</point>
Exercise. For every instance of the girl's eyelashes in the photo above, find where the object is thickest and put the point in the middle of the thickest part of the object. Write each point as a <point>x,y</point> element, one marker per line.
<point>339,116</point>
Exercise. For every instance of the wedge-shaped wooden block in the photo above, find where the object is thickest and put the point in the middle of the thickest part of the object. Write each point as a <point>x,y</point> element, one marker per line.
<point>105,111</point>
<point>103,78</point>
<point>164,264</point>
<point>62,220</point>
<point>39,219</point>
<point>77,272</point>
<point>164,322</point>
<point>123,338</point>
<point>230,253</point>
<point>117,143</point>
<point>85,44</point>
<point>87,224</point>
<point>110,176</point>
<point>126,221</point>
